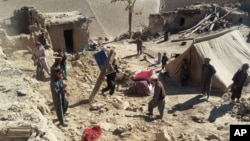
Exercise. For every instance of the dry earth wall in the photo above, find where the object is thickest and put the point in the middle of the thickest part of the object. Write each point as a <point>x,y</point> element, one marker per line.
<point>189,16</point>
<point>167,5</point>
<point>79,36</point>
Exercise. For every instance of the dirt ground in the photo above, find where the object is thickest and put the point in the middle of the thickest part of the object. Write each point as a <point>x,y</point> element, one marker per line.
<point>187,117</point>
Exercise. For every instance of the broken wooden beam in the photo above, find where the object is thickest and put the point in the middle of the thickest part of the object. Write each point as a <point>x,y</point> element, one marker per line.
<point>198,24</point>
<point>101,77</point>
<point>184,39</point>
<point>19,132</point>
<point>148,54</point>
<point>219,19</point>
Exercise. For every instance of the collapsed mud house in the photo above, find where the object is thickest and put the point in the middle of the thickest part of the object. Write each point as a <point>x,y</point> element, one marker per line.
<point>202,17</point>
<point>167,5</point>
<point>65,30</point>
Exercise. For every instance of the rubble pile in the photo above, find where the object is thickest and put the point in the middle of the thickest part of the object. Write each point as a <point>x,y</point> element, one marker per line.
<point>86,69</point>
<point>23,116</point>
<point>211,22</point>
<point>145,35</point>
<point>241,110</point>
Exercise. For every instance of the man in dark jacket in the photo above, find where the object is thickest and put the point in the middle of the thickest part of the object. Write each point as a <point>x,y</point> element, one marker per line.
<point>164,60</point>
<point>239,79</point>
<point>110,77</point>
<point>206,77</point>
<point>139,45</point>
<point>58,95</point>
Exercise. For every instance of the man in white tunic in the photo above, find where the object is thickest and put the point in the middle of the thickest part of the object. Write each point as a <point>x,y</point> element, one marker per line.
<point>39,57</point>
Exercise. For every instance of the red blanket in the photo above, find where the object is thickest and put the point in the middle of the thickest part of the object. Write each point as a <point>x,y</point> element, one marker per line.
<point>92,134</point>
<point>143,76</point>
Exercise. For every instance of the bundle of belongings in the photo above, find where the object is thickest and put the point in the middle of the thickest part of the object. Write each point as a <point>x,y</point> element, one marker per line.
<point>141,85</point>
<point>92,134</point>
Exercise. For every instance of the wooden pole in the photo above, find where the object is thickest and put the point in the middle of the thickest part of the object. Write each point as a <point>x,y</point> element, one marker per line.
<point>19,132</point>
<point>159,58</point>
<point>100,78</point>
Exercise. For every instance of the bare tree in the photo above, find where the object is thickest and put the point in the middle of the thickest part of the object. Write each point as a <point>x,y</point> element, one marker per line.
<point>130,8</point>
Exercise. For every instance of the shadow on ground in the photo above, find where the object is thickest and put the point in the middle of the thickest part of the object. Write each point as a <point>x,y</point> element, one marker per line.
<point>161,41</point>
<point>187,104</point>
<point>217,112</point>
<point>173,87</point>
<point>84,101</point>
<point>130,56</point>
<point>145,117</point>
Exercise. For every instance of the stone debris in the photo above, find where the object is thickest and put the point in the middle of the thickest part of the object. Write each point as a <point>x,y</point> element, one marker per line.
<point>241,110</point>
<point>97,105</point>
<point>124,131</point>
<point>22,92</point>
<point>166,134</point>
<point>213,137</point>
<point>198,118</point>
<point>20,110</point>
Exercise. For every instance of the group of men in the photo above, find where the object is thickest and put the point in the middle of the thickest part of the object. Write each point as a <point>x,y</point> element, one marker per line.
<point>239,79</point>
<point>57,73</point>
<point>207,72</point>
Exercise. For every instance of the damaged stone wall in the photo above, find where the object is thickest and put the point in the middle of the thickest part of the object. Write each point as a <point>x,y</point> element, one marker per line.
<point>29,20</point>
<point>36,18</point>
<point>177,20</point>
<point>10,44</point>
<point>236,17</point>
<point>29,24</point>
<point>25,17</point>
<point>167,5</point>
<point>20,20</point>
<point>184,18</point>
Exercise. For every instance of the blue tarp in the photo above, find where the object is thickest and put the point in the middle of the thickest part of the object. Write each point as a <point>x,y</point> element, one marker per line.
<point>100,58</point>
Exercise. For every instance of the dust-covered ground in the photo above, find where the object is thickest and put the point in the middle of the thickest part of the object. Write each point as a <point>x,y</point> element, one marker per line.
<point>187,117</point>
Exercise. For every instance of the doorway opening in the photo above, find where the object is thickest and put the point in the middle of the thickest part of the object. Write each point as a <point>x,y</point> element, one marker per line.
<point>182,21</point>
<point>68,38</point>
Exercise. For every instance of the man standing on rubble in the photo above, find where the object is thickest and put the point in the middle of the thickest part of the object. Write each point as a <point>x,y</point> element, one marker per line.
<point>39,58</point>
<point>206,77</point>
<point>110,78</point>
<point>58,90</point>
<point>55,66</point>
<point>139,45</point>
<point>164,60</point>
<point>239,79</point>
<point>158,98</point>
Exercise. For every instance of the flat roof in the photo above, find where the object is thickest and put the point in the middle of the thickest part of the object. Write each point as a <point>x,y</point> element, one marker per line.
<point>57,18</point>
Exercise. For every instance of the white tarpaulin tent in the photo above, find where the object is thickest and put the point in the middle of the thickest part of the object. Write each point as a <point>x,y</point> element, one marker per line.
<point>227,50</point>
